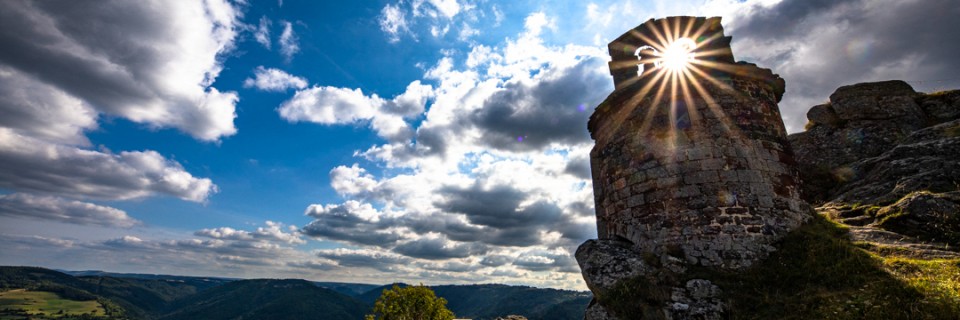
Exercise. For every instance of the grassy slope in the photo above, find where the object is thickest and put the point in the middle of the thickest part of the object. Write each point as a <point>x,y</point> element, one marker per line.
<point>819,274</point>
<point>47,303</point>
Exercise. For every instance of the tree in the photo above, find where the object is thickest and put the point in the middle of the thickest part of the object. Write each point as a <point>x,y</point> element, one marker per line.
<point>410,303</point>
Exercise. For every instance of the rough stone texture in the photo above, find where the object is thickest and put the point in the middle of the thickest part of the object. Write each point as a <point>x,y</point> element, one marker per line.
<point>711,176</point>
<point>896,181</point>
<point>928,159</point>
<point>604,263</point>
<point>823,114</point>
<point>941,106</point>
<point>512,317</point>
<point>699,299</point>
<point>876,121</point>
<point>703,176</point>
<point>876,101</point>
<point>595,311</point>
<point>927,215</point>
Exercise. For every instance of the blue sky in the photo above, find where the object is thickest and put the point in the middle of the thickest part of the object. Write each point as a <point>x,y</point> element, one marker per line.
<point>434,141</point>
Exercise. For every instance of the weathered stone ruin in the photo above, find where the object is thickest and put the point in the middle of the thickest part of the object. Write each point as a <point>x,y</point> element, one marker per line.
<point>691,167</point>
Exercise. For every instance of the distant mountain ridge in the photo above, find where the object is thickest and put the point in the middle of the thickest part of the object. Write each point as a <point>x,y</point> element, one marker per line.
<point>151,296</point>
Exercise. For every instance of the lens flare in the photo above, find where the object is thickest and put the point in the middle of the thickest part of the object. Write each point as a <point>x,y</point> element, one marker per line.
<point>678,55</point>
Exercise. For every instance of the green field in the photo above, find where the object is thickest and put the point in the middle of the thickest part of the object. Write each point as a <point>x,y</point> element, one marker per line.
<point>47,303</point>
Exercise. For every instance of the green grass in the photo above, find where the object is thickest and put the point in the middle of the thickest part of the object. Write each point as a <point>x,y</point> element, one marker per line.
<point>818,274</point>
<point>46,303</point>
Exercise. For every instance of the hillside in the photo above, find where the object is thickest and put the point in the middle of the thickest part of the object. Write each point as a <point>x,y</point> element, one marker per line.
<point>139,296</point>
<point>268,299</point>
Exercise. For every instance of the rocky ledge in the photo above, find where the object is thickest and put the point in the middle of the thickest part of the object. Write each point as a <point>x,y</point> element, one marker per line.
<point>885,160</point>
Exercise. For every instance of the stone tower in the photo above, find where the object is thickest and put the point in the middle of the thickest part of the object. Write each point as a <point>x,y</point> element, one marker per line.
<point>691,160</point>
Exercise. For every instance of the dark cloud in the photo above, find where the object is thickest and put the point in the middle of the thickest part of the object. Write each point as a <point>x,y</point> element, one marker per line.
<point>579,166</point>
<point>498,207</point>
<point>351,221</point>
<point>22,205</point>
<point>498,213</point>
<point>364,258</point>
<point>526,116</point>
<point>495,260</point>
<point>439,249</point>
<point>817,46</point>
<point>361,233</point>
<point>43,111</point>
<point>544,261</point>
<point>786,17</point>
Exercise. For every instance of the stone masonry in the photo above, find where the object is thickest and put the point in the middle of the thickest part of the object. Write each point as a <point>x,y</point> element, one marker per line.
<point>716,179</point>
<point>699,170</point>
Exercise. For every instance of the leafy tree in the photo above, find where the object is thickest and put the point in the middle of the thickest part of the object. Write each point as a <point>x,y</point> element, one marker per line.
<point>410,303</point>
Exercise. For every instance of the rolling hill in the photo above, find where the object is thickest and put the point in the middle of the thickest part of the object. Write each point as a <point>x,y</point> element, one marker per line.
<point>143,296</point>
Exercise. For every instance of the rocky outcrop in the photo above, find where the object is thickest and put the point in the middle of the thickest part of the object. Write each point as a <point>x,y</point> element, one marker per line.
<point>886,159</point>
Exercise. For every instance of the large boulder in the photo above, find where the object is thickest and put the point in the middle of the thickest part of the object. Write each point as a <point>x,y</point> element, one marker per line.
<point>876,101</point>
<point>605,263</point>
<point>823,114</point>
<point>863,121</point>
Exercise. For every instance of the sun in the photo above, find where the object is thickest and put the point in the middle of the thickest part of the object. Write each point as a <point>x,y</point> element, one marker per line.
<point>678,55</point>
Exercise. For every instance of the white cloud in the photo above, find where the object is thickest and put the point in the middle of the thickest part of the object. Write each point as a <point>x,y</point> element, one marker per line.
<point>262,33</point>
<point>448,8</point>
<point>270,79</point>
<point>272,232</point>
<point>393,22</point>
<point>157,71</point>
<point>332,105</point>
<point>436,17</point>
<point>289,42</point>
<point>329,105</point>
<point>351,180</point>
<point>24,205</point>
<point>35,165</point>
<point>470,191</point>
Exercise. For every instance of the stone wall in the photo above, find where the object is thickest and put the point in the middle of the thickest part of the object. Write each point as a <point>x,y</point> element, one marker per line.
<point>711,177</point>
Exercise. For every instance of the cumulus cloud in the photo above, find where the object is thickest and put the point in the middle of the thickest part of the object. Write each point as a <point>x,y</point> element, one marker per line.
<point>37,109</point>
<point>439,248</point>
<point>352,180</point>
<point>491,182</point>
<point>289,42</point>
<point>156,71</point>
<point>364,258</point>
<point>270,79</point>
<point>352,222</point>
<point>23,205</point>
<point>333,105</point>
<point>35,165</point>
<point>274,231</point>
